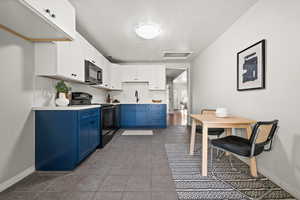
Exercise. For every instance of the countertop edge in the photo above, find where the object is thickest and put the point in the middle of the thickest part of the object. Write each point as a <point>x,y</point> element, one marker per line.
<point>37,108</point>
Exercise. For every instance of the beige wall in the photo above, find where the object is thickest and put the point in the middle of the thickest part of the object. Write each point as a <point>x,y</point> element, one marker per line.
<point>16,118</point>
<point>19,91</point>
<point>214,82</point>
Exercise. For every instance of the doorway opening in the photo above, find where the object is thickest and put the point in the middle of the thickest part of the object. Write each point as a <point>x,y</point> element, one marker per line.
<point>177,96</point>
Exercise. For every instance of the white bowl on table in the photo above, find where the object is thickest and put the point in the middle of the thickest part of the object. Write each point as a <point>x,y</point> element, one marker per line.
<point>221,112</point>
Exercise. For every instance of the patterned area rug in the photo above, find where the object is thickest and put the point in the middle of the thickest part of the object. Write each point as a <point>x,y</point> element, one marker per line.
<point>223,183</point>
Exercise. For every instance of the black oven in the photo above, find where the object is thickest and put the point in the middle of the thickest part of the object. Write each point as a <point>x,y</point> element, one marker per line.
<point>109,122</point>
<point>93,73</point>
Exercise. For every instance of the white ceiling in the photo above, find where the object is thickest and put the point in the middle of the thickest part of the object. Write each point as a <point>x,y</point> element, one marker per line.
<point>187,25</point>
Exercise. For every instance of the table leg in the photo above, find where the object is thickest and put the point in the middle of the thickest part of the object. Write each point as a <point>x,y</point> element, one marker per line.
<point>193,135</point>
<point>228,133</point>
<point>253,165</point>
<point>204,150</point>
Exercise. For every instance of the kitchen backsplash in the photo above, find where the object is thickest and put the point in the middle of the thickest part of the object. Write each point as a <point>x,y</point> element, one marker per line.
<point>45,91</point>
<point>127,95</point>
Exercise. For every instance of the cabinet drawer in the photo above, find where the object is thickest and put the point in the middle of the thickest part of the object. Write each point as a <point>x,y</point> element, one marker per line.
<point>89,113</point>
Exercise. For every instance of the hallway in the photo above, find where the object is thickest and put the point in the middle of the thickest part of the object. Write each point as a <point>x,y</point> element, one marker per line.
<point>177,118</point>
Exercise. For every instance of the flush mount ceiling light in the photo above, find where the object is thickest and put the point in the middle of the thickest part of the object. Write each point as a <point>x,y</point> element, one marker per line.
<point>147,31</point>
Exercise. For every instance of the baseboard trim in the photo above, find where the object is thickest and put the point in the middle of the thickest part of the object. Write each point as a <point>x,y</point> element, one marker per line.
<point>293,191</point>
<point>17,178</point>
<point>275,179</point>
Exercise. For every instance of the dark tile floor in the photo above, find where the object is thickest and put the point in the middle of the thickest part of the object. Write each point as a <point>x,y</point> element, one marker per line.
<point>129,168</point>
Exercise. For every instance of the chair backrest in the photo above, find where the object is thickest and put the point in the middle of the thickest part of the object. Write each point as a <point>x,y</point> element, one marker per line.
<point>263,132</point>
<point>208,112</point>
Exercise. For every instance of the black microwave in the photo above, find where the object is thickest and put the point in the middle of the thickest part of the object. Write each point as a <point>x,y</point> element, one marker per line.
<point>93,73</point>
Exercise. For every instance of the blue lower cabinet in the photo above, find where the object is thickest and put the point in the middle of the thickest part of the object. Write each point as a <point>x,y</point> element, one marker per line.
<point>64,138</point>
<point>128,115</point>
<point>142,119</point>
<point>143,116</point>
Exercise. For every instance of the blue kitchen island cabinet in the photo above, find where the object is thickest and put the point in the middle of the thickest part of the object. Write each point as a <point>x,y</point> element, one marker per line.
<point>143,115</point>
<point>63,138</point>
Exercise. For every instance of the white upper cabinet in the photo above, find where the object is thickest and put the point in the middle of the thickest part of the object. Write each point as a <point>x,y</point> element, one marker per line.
<point>158,78</point>
<point>116,77</point>
<point>106,73</point>
<point>135,73</point>
<point>39,20</point>
<point>62,60</point>
<point>129,74</point>
<point>155,75</point>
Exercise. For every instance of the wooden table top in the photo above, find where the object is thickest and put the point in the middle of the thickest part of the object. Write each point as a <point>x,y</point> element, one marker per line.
<point>212,119</point>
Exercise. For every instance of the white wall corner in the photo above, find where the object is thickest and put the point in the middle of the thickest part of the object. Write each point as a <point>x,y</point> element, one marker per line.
<point>287,187</point>
<point>17,178</point>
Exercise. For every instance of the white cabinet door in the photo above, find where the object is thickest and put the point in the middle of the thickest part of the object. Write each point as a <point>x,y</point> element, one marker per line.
<point>64,57</point>
<point>116,77</point>
<point>158,78</point>
<point>130,74</point>
<point>42,7</point>
<point>63,60</point>
<point>77,61</point>
<point>63,16</point>
<point>105,73</point>
<point>70,60</point>
<point>98,58</point>
<point>144,73</point>
<point>137,73</point>
<point>59,13</point>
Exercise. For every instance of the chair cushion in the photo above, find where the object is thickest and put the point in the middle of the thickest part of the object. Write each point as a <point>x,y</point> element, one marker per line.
<point>211,131</point>
<point>237,145</point>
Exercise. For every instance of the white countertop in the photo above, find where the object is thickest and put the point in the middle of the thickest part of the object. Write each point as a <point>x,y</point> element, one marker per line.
<point>132,103</point>
<point>67,107</point>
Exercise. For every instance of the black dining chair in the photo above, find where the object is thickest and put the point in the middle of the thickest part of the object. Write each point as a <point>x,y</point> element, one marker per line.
<point>261,140</point>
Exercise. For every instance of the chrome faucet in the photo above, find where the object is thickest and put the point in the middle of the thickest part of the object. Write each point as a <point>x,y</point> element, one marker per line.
<point>137,96</point>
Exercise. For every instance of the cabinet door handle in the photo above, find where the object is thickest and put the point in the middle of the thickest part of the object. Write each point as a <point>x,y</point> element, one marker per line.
<point>53,15</point>
<point>47,10</point>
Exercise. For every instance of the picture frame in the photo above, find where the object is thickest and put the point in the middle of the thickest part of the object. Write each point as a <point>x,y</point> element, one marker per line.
<point>251,67</point>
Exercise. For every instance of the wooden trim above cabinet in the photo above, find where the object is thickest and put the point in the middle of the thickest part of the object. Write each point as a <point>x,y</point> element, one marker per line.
<point>33,39</point>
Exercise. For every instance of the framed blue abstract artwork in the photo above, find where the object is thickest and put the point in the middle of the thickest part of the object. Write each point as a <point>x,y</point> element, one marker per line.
<point>251,67</point>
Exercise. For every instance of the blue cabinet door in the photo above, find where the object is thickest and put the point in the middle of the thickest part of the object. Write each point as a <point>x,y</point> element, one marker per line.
<point>94,133</point>
<point>84,138</point>
<point>128,115</point>
<point>89,132</point>
<point>142,116</point>
<point>157,115</point>
<point>64,138</point>
<point>56,140</point>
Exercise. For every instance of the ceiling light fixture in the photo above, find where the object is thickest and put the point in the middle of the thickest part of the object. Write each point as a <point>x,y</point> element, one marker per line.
<point>147,31</point>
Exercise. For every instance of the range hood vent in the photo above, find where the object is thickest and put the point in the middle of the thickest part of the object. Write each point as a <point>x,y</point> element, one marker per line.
<point>176,55</point>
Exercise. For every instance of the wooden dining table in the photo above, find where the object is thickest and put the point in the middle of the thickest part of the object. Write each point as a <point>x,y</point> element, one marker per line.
<point>228,123</point>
